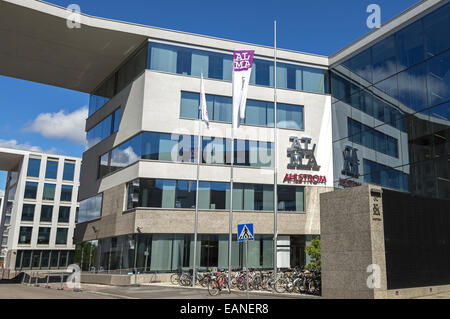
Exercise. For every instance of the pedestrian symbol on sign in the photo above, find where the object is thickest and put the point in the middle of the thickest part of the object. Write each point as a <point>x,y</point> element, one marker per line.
<point>245,232</point>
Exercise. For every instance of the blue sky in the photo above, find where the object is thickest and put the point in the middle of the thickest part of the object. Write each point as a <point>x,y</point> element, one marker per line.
<point>39,117</point>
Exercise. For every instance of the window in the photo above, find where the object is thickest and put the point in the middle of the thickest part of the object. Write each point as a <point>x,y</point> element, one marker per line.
<point>104,129</point>
<point>52,169</point>
<point>291,198</point>
<point>44,236</point>
<point>49,192</point>
<point>410,45</point>
<point>61,236</point>
<point>436,26</point>
<point>384,59</point>
<point>371,138</point>
<point>25,235</point>
<point>28,212</point>
<point>185,194</point>
<point>90,208</point>
<point>30,190</point>
<point>64,214</point>
<point>116,120</point>
<point>46,213</point>
<point>252,197</point>
<point>103,165</point>
<point>213,195</point>
<point>258,113</point>
<point>66,193</point>
<point>34,166</point>
<point>69,171</point>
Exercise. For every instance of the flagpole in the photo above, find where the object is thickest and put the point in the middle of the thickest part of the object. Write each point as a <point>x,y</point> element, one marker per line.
<point>275,193</point>
<point>230,222</point>
<point>194,272</point>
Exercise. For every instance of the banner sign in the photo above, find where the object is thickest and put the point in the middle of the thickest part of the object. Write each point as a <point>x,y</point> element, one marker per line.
<point>242,69</point>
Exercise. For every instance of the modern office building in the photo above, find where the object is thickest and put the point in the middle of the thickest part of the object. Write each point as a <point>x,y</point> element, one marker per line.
<point>38,220</point>
<point>4,242</point>
<point>376,112</point>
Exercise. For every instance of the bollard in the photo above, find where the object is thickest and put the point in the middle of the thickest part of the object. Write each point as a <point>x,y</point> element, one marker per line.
<point>62,278</point>
<point>48,278</point>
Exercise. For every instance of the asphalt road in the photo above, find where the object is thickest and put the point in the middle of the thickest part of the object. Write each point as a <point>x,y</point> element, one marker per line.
<point>152,291</point>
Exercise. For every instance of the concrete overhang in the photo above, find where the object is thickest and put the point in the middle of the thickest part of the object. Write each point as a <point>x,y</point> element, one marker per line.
<point>37,45</point>
<point>10,159</point>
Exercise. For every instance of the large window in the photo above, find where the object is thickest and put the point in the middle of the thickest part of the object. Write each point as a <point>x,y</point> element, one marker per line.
<point>162,193</point>
<point>66,193</point>
<point>104,129</point>
<point>46,213</point>
<point>252,197</point>
<point>258,113</point>
<point>291,198</point>
<point>30,190</point>
<point>34,166</point>
<point>213,195</point>
<point>52,169</point>
<point>371,138</point>
<point>61,236</point>
<point>183,148</point>
<point>25,235</point>
<point>90,208</point>
<point>44,236</point>
<point>64,214</point>
<point>69,171</point>
<point>28,212</point>
<point>49,192</point>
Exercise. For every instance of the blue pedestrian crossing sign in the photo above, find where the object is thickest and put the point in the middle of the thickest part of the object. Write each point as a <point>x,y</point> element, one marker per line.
<point>245,232</point>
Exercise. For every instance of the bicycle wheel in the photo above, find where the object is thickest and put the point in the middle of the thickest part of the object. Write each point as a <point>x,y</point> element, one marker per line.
<point>213,287</point>
<point>280,285</point>
<point>185,280</point>
<point>175,279</point>
<point>226,286</point>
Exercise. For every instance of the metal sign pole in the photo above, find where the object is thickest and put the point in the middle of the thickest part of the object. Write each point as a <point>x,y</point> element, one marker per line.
<point>246,264</point>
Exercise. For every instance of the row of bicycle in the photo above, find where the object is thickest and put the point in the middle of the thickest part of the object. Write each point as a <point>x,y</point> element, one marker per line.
<point>290,280</point>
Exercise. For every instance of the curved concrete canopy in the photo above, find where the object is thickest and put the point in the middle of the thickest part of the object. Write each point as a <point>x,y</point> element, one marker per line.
<point>38,46</point>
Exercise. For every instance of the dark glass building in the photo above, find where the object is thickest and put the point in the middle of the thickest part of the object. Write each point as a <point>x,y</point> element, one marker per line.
<point>391,109</point>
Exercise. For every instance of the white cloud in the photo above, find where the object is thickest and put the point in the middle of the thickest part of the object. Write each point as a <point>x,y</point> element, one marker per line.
<point>60,125</point>
<point>14,144</point>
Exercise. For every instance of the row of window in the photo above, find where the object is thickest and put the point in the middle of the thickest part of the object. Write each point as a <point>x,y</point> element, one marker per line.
<point>183,148</point>
<point>168,193</point>
<point>105,128</point>
<point>420,40</point>
<point>48,192</point>
<point>371,138</point>
<point>220,109</point>
<point>213,65</point>
<point>379,174</point>
<point>366,102</point>
<point>51,172</point>
<point>28,212</point>
<point>90,209</point>
<point>43,235</point>
<point>44,259</point>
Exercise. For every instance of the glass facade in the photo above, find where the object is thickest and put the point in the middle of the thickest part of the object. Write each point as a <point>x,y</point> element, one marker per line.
<point>90,208</point>
<point>183,148</point>
<point>167,193</point>
<point>44,259</point>
<point>391,110</point>
<point>213,65</point>
<point>174,252</point>
<point>259,113</point>
<point>104,129</point>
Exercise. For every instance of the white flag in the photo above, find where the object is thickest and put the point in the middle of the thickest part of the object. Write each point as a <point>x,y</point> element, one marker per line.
<point>242,69</point>
<point>203,107</point>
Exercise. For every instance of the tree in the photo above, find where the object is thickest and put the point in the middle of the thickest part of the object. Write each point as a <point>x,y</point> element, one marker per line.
<point>313,250</point>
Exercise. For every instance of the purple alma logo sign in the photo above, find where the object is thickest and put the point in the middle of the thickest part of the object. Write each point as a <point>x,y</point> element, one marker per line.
<point>243,60</point>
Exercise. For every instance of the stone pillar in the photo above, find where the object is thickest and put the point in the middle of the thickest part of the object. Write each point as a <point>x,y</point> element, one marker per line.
<point>352,243</point>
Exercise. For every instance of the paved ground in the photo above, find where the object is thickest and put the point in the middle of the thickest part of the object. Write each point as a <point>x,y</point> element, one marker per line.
<point>150,291</point>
